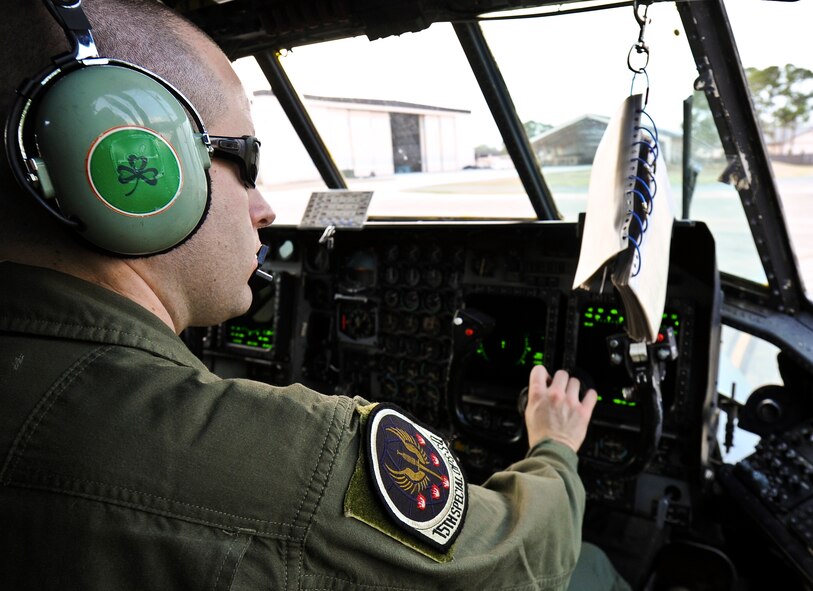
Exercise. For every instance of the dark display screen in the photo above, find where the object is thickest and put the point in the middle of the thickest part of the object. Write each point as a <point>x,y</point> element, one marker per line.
<point>593,364</point>
<point>516,343</point>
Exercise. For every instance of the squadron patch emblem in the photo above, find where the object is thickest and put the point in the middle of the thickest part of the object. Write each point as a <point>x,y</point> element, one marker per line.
<point>416,477</point>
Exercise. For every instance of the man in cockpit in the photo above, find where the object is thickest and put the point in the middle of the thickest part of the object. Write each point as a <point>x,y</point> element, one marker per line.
<point>130,213</point>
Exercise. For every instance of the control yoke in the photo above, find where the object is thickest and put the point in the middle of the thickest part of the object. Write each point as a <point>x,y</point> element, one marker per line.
<point>646,365</point>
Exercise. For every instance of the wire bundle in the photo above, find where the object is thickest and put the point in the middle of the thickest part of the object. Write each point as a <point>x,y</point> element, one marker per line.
<point>642,185</point>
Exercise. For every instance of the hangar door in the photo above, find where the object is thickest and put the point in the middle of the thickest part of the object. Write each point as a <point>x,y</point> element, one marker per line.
<point>406,142</point>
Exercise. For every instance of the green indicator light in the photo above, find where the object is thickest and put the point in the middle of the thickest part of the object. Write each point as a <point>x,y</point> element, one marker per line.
<point>599,398</point>
<point>674,316</point>
<point>677,322</point>
<point>618,401</point>
<point>600,310</point>
<point>588,315</point>
<point>632,404</point>
<point>538,356</point>
<point>526,348</point>
<point>502,344</point>
<point>251,337</point>
<point>613,311</point>
<point>589,309</point>
<point>620,319</point>
<point>588,324</point>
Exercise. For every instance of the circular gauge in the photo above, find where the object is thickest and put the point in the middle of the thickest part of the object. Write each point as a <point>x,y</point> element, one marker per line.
<point>412,276</point>
<point>412,300</point>
<point>433,277</point>
<point>391,275</point>
<point>413,253</point>
<point>412,369</point>
<point>433,302</point>
<point>391,298</point>
<point>359,272</point>
<point>430,350</point>
<point>357,322</point>
<point>392,253</point>
<point>410,323</point>
<point>431,325</point>
<point>389,322</point>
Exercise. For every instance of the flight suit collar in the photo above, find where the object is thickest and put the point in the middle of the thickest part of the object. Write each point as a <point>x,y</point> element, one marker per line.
<point>40,301</point>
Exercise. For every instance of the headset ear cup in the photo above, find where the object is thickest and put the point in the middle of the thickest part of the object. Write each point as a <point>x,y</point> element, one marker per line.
<point>123,158</point>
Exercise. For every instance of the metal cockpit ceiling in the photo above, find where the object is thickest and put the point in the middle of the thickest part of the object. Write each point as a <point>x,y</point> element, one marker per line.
<point>245,27</point>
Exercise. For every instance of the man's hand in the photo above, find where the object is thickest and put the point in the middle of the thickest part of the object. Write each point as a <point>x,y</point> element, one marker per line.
<point>554,409</point>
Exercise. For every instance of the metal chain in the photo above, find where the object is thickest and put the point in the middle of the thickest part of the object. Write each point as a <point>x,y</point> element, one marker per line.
<point>640,47</point>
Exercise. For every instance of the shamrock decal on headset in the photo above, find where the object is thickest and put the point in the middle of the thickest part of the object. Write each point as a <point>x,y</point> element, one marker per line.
<point>137,171</point>
<point>121,158</point>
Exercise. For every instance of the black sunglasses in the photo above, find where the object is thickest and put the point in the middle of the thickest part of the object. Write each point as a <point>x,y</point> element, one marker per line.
<point>244,150</point>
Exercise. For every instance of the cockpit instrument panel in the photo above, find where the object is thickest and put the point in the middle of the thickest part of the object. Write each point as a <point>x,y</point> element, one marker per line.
<point>447,320</point>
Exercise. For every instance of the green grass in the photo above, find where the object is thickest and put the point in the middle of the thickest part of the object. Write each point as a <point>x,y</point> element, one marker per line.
<point>563,180</point>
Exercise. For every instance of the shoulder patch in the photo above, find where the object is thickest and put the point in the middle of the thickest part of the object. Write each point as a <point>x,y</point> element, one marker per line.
<point>416,477</point>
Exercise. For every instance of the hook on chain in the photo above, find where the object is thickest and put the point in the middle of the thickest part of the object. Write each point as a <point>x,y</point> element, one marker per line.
<point>640,48</point>
<point>641,19</point>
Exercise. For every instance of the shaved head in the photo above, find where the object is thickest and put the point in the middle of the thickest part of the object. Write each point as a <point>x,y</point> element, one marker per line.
<point>143,32</point>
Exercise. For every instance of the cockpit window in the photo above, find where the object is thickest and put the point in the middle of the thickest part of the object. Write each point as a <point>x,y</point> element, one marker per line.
<point>404,117</point>
<point>567,87</point>
<point>770,36</point>
<point>717,203</point>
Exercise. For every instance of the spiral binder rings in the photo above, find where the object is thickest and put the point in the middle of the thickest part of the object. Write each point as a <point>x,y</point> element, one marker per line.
<point>628,224</point>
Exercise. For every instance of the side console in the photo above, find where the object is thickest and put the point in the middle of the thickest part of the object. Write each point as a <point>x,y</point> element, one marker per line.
<point>774,487</point>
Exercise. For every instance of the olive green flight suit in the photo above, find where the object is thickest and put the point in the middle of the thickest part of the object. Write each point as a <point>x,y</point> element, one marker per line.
<point>126,464</point>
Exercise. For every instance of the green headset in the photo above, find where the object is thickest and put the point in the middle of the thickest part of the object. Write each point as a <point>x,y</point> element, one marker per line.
<point>108,148</point>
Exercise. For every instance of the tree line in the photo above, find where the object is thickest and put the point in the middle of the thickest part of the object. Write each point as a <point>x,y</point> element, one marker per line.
<point>783,97</point>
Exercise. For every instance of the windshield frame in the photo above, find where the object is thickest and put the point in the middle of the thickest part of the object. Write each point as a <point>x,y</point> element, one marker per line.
<point>723,80</point>
<point>720,76</point>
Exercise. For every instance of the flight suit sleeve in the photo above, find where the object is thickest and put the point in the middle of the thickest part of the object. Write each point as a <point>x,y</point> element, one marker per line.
<point>522,531</point>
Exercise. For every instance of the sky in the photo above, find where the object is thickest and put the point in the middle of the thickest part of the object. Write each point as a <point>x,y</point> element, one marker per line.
<point>557,69</point>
